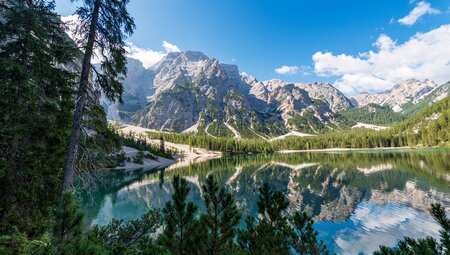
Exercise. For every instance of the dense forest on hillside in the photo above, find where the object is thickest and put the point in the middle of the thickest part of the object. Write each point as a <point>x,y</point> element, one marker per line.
<point>372,114</point>
<point>426,128</point>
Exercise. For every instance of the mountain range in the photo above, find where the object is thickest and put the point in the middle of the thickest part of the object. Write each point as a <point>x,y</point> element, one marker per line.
<point>190,92</point>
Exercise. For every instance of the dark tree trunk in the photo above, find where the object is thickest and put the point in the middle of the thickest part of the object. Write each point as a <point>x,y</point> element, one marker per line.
<point>80,102</point>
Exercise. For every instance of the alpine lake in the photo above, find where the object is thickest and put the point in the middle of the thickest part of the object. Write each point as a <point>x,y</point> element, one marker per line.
<point>358,199</point>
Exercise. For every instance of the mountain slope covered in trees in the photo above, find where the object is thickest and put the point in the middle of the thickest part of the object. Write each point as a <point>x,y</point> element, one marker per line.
<point>372,114</point>
<point>427,128</point>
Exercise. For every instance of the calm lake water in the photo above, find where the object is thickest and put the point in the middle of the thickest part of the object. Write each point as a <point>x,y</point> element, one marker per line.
<point>359,199</point>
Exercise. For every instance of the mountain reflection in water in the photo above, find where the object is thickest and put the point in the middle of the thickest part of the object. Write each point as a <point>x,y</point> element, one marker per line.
<point>359,199</point>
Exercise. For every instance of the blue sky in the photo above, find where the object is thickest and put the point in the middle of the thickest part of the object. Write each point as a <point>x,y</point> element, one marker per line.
<point>261,36</point>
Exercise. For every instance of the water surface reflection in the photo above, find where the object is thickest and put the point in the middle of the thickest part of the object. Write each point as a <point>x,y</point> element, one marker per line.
<point>359,199</point>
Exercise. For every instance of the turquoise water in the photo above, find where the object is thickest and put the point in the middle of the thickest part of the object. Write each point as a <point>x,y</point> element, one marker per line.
<point>359,200</point>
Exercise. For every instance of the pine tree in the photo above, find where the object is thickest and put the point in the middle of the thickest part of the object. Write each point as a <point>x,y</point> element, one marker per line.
<point>37,91</point>
<point>270,234</point>
<point>120,237</point>
<point>304,236</point>
<point>439,214</point>
<point>104,25</point>
<point>181,225</point>
<point>67,230</point>
<point>221,219</point>
<point>162,146</point>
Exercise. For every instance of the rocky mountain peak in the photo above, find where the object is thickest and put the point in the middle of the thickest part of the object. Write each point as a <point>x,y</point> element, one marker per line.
<point>414,85</point>
<point>249,79</point>
<point>405,93</point>
<point>188,90</point>
<point>232,71</point>
<point>193,56</point>
<point>173,59</point>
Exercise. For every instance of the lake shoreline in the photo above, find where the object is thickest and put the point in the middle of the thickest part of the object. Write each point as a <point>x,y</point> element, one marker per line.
<point>157,163</point>
<point>186,155</point>
<point>339,150</point>
<point>352,149</point>
<point>198,155</point>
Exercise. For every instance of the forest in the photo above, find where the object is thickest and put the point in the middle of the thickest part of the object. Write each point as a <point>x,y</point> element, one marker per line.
<point>427,128</point>
<point>372,114</point>
<point>54,138</point>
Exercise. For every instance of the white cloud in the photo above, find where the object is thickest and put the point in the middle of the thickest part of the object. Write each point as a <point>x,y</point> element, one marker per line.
<point>305,70</point>
<point>384,42</point>
<point>170,47</point>
<point>421,9</point>
<point>149,57</point>
<point>286,70</point>
<point>424,55</point>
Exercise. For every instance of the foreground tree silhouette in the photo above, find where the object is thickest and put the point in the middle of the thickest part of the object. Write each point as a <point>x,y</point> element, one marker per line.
<point>220,220</point>
<point>122,237</point>
<point>276,233</point>
<point>103,27</point>
<point>118,237</point>
<point>270,233</point>
<point>304,237</point>
<point>35,112</point>
<point>67,230</point>
<point>181,229</point>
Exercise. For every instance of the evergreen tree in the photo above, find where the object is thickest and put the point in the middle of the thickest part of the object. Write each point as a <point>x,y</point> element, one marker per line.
<point>67,230</point>
<point>162,146</point>
<point>220,220</point>
<point>439,214</point>
<point>103,28</point>
<point>270,233</point>
<point>305,237</point>
<point>181,225</point>
<point>120,237</point>
<point>37,91</point>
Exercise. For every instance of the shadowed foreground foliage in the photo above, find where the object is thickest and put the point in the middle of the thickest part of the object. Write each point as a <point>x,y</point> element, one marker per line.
<point>180,229</point>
